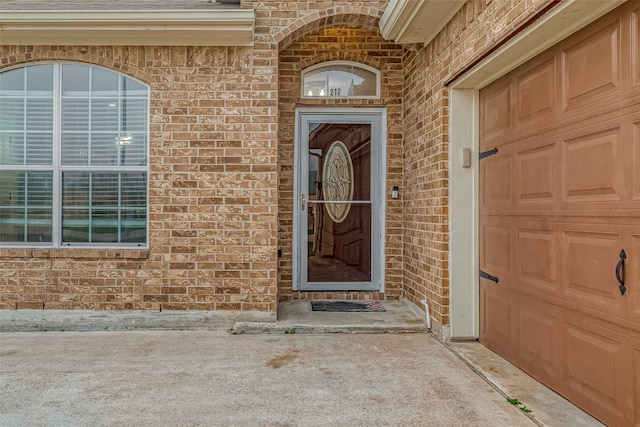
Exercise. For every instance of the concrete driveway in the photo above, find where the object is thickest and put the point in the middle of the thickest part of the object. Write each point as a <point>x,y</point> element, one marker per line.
<point>210,378</point>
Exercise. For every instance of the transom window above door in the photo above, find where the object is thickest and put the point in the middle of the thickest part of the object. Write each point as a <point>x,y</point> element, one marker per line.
<point>73,157</point>
<point>341,79</point>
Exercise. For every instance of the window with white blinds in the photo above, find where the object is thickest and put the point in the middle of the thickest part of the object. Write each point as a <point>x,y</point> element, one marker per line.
<point>73,156</point>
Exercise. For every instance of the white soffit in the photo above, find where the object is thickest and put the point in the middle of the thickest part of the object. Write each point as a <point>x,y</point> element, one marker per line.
<point>416,21</point>
<point>130,27</point>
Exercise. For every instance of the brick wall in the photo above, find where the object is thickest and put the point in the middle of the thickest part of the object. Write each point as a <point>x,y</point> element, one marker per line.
<point>213,193</point>
<point>477,26</point>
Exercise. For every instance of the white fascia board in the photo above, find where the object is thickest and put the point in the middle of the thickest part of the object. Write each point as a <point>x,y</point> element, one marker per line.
<point>397,16</point>
<point>130,27</point>
<point>416,21</point>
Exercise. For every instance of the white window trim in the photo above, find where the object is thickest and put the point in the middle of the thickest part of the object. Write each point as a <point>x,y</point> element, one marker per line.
<point>57,168</point>
<point>354,64</point>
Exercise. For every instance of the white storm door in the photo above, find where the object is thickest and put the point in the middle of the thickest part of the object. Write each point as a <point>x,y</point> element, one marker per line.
<point>338,200</point>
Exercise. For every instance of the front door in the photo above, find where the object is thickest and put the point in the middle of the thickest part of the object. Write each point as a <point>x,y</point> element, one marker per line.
<point>337,208</point>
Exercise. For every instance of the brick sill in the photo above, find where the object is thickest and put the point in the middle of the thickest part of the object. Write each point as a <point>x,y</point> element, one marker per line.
<point>74,253</point>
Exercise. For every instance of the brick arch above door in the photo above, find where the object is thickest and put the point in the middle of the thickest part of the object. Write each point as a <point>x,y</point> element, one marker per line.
<point>351,16</point>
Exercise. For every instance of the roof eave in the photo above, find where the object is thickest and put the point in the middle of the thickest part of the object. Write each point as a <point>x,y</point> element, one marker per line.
<point>416,21</point>
<point>131,27</point>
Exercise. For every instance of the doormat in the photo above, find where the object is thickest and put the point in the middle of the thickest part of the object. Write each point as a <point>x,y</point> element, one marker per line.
<point>347,306</point>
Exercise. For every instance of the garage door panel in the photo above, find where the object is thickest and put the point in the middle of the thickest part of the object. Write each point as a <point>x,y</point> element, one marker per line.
<point>635,47</point>
<point>496,179</point>
<point>592,67</point>
<point>537,175</point>
<point>496,108</point>
<point>599,379</point>
<point>635,410</point>
<point>636,161</point>
<point>497,251</point>
<point>536,260</point>
<point>498,321</point>
<point>590,258</point>
<point>591,168</point>
<point>536,92</point>
<point>632,279</point>
<point>539,328</point>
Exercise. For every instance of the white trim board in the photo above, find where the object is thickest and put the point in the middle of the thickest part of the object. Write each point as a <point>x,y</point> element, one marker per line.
<point>131,27</point>
<point>562,21</point>
<point>417,21</point>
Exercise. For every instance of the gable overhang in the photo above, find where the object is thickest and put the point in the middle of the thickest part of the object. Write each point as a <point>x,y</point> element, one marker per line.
<point>128,27</point>
<point>416,21</point>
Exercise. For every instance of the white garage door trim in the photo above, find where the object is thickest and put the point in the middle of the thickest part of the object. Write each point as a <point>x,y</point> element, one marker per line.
<point>564,20</point>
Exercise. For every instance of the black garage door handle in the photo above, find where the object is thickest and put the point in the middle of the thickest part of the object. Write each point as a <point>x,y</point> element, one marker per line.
<point>619,272</point>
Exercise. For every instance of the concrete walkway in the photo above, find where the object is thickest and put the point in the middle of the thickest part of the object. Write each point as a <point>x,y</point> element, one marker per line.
<point>207,378</point>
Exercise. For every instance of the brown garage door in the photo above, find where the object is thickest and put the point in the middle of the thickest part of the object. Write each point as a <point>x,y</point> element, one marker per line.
<point>559,201</point>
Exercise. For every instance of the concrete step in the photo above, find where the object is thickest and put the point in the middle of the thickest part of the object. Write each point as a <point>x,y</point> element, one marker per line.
<point>297,317</point>
<point>299,328</point>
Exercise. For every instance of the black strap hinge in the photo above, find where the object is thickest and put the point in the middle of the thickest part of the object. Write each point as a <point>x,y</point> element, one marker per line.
<point>488,153</point>
<point>487,276</point>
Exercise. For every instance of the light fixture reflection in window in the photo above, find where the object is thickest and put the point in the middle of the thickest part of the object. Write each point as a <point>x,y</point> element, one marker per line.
<point>322,92</point>
<point>124,139</point>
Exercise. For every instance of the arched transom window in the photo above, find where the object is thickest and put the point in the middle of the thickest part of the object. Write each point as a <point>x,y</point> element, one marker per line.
<point>340,79</point>
<point>73,157</point>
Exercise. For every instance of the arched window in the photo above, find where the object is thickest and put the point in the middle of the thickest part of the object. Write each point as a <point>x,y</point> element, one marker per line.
<point>73,157</point>
<point>341,79</point>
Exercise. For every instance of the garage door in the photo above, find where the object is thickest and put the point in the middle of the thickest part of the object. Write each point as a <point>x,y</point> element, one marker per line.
<point>560,212</point>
